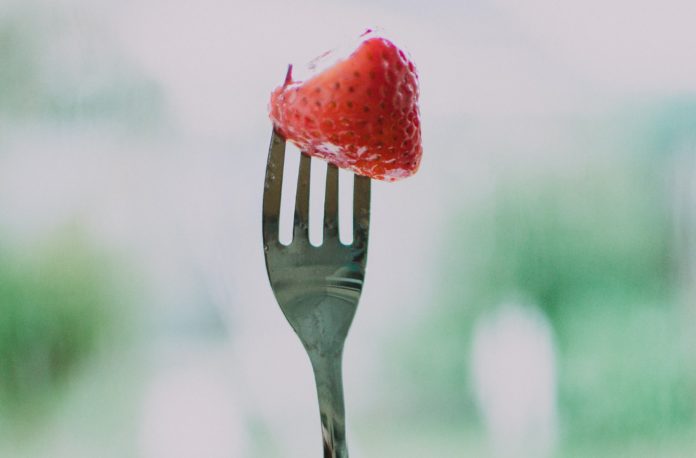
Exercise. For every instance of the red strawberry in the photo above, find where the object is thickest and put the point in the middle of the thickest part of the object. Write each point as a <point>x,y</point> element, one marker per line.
<point>360,114</point>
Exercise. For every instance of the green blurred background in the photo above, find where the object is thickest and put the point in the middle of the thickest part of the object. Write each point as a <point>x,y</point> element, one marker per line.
<point>529,293</point>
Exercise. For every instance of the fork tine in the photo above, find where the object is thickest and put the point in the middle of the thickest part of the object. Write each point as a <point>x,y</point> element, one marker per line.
<point>272,187</point>
<point>331,203</point>
<point>301,226</point>
<point>361,210</point>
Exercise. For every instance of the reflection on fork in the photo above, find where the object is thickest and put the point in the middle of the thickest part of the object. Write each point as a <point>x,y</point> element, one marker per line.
<point>317,287</point>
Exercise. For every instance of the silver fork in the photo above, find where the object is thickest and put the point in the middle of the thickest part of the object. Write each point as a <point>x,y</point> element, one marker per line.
<point>317,288</point>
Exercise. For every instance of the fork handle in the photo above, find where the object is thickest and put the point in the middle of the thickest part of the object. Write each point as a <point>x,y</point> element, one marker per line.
<point>328,377</point>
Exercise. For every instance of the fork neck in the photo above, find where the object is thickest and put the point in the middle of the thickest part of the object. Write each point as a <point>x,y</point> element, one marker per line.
<point>328,376</point>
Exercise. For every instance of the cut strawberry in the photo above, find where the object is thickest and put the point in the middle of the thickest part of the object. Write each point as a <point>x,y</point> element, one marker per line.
<point>359,114</point>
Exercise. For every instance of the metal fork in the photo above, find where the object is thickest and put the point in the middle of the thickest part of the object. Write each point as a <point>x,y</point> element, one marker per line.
<point>317,288</point>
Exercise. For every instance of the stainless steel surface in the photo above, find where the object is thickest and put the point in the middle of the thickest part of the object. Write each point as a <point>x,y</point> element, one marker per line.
<point>317,288</point>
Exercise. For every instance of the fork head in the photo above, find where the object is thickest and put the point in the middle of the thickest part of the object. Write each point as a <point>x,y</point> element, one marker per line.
<point>317,287</point>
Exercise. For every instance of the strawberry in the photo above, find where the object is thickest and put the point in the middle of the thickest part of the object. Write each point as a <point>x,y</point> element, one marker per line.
<point>360,114</point>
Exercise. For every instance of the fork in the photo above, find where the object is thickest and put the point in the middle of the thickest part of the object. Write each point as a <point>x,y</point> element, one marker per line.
<point>317,288</point>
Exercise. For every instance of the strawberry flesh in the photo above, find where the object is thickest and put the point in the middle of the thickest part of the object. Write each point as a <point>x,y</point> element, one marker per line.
<point>360,114</point>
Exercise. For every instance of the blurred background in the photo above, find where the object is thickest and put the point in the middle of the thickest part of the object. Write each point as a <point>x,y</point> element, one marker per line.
<point>530,292</point>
